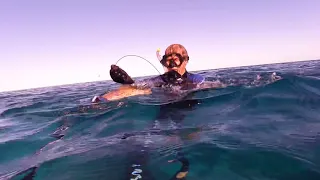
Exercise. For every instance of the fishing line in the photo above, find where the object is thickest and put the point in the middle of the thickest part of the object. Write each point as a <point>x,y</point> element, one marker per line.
<point>140,58</point>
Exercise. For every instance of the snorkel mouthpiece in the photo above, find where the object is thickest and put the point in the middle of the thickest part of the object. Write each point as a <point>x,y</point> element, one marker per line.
<point>172,64</point>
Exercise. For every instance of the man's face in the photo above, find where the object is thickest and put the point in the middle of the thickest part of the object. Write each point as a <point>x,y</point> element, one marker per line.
<point>176,61</point>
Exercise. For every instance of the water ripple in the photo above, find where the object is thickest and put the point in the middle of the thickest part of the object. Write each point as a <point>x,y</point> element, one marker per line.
<point>259,127</point>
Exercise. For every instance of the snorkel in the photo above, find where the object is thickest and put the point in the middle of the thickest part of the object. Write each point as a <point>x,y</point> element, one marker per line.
<point>160,58</point>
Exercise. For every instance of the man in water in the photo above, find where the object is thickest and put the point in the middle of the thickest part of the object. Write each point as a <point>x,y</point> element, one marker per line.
<point>174,61</point>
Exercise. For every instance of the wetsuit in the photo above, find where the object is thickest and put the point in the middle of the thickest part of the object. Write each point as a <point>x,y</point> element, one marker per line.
<point>172,79</point>
<point>185,82</point>
<point>139,158</point>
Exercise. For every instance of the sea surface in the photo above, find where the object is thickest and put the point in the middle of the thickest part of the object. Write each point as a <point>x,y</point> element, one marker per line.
<point>262,126</point>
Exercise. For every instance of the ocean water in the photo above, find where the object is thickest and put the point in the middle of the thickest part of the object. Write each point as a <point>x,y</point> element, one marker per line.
<point>260,127</point>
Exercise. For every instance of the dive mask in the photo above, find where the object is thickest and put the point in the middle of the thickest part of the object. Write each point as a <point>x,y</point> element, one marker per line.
<point>171,63</point>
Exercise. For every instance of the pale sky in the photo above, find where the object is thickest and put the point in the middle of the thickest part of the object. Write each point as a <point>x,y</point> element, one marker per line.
<point>45,43</point>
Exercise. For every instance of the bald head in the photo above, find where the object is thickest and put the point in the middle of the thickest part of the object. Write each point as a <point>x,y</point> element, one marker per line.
<point>177,49</point>
<point>178,54</point>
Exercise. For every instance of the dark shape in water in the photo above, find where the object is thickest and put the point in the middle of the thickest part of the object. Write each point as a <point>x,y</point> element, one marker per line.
<point>140,156</point>
<point>119,75</point>
<point>57,136</point>
<point>30,175</point>
<point>182,173</point>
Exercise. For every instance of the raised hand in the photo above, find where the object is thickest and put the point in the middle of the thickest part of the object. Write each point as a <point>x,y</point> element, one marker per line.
<point>119,75</point>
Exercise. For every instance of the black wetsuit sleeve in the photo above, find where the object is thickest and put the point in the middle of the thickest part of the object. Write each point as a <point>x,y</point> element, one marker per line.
<point>149,83</point>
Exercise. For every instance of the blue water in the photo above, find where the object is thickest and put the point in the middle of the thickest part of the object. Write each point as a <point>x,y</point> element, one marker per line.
<point>253,129</point>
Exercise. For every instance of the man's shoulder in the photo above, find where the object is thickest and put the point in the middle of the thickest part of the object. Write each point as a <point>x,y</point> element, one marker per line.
<point>159,79</point>
<point>148,81</point>
<point>196,78</point>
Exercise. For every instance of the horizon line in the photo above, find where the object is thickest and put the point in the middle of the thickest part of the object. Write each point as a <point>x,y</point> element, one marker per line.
<point>221,68</point>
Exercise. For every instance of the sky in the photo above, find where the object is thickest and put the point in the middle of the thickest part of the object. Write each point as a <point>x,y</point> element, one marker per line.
<point>48,43</point>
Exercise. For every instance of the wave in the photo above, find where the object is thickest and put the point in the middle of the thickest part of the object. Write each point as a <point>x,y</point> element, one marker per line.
<point>258,120</point>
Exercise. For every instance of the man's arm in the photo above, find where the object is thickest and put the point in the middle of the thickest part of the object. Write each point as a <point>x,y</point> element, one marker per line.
<point>211,84</point>
<point>137,88</point>
<point>202,83</point>
<point>126,91</point>
<point>129,87</point>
